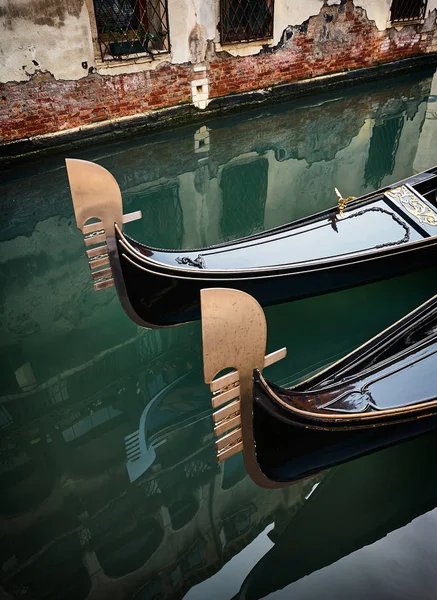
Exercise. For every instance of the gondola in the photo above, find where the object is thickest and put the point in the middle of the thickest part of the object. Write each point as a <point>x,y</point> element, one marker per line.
<point>378,395</point>
<point>376,236</point>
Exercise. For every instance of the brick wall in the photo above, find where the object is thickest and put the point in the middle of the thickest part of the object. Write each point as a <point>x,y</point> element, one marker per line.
<point>339,38</point>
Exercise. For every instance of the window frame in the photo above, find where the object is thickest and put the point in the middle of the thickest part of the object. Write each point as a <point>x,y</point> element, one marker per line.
<point>408,20</point>
<point>106,59</point>
<point>225,33</point>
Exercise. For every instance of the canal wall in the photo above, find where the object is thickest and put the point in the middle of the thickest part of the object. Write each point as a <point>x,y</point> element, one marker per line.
<point>55,81</point>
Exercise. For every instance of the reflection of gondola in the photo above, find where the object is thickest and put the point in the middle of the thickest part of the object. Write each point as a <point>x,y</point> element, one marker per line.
<point>376,236</point>
<point>383,392</point>
<point>352,507</point>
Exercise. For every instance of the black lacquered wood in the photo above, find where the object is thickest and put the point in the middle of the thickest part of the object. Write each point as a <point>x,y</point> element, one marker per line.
<point>383,393</point>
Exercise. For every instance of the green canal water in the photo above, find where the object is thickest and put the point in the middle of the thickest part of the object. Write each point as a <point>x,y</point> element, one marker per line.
<point>109,488</point>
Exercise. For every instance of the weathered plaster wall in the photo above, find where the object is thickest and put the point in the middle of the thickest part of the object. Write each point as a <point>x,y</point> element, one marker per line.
<point>46,52</point>
<point>44,35</point>
<point>192,24</point>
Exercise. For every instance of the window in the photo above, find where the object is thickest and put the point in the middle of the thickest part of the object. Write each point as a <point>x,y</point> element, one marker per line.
<point>407,10</point>
<point>245,20</point>
<point>244,189</point>
<point>162,211</point>
<point>383,147</point>
<point>131,28</point>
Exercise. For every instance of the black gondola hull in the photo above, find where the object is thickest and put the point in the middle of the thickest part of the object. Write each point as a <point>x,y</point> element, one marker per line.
<point>288,451</point>
<point>161,298</point>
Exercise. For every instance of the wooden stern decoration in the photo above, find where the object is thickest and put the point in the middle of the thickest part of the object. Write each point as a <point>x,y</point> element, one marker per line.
<point>234,334</point>
<point>96,195</point>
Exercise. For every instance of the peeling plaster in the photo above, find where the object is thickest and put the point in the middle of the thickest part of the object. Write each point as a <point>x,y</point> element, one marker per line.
<point>197,43</point>
<point>60,50</point>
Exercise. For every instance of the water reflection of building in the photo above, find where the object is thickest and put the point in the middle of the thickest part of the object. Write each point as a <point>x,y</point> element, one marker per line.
<point>73,525</point>
<point>257,178</point>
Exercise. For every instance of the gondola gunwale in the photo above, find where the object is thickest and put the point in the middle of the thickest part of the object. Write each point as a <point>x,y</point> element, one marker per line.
<point>376,344</point>
<point>338,419</point>
<point>285,269</point>
<point>294,268</point>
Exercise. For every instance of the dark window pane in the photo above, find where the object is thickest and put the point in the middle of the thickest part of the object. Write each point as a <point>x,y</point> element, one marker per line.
<point>382,151</point>
<point>131,27</point>
<point>407,10</point>
<point>244,189</point>
<point>245,20</point>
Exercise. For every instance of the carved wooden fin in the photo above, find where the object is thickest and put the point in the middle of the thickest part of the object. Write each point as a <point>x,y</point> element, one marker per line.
<point>233,335</point>
<point>96,195</point>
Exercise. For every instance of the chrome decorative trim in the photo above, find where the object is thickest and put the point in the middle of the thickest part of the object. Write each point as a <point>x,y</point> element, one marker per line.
<point>95,238</point>
<point>406,199</point>
<point>102,274</point>
<point>99,261</point>
<point>231,378</point>
<point>198,262</point>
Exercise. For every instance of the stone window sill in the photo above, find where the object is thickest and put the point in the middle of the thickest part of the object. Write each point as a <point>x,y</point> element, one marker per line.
<point>405,23</point>
<point>108,65</point>
<point>244,48</point>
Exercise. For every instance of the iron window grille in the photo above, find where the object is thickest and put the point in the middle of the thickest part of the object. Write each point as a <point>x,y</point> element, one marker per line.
<point>245,20</point>
<point>131,28</point>
<point>407,10</point>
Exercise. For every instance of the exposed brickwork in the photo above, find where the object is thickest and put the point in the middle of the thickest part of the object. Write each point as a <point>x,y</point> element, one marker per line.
<point>44,105</point>
<point>339,38</point>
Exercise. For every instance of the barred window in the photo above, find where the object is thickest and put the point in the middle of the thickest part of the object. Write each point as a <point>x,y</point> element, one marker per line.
<point>245,20</point>
<point>407,10</point>
<point>131,28</point>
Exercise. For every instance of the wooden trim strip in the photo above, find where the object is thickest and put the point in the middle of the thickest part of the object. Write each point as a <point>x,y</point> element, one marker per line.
<point>227,424</point>
<point>224,454</point>
<point>229,438</point>
<point>226,411</point>
<point>97,251</point>
<point>95,239</point>
<point>224,397</point>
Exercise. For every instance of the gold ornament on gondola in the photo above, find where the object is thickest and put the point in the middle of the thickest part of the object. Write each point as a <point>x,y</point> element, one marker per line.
<point>342,202</point>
